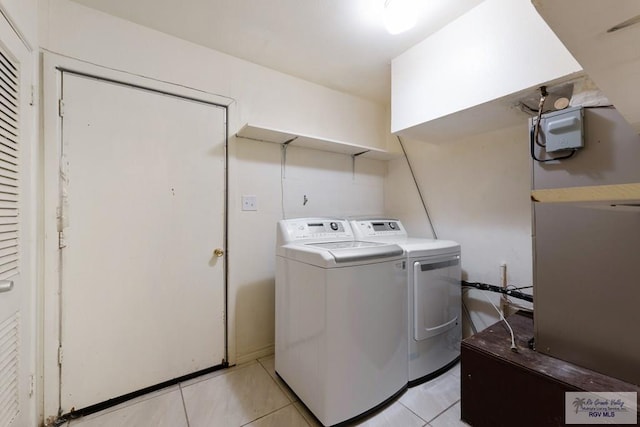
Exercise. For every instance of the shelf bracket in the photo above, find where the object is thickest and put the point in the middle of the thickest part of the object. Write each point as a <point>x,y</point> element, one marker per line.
<point>285,145</point>
<point>353,162</point>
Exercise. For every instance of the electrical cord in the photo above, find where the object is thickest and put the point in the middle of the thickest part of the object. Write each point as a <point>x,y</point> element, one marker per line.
<point>534,134</point>
<point>514,347</point>
<point>283,172</point>
<point>493,288</point>
<point>283,165</point>
<point>465,309</point>
<point>551,159</point>
<point>518,306</point>
<point>518,288</point>
<point>513,304</point>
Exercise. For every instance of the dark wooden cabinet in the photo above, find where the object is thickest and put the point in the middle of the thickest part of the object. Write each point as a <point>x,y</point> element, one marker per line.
<point>525,388</point>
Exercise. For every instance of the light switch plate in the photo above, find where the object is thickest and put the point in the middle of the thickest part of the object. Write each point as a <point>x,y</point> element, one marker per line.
<point>249,203</point>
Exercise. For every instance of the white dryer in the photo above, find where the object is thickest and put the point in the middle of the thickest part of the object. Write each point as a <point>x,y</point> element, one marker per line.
<point>434,292</point>
<point>341,318</point>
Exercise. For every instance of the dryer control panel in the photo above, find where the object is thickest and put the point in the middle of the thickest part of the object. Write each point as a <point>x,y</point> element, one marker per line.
<point>378,228</point>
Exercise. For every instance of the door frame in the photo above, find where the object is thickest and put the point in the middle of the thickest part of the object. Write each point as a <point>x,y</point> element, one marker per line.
<point>53,65</point>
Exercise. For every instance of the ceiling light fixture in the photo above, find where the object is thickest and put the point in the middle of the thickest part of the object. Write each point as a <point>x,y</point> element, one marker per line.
<point>399,15</point>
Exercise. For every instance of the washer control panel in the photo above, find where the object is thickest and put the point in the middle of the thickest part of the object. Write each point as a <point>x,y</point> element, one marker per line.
<point>316,229</point>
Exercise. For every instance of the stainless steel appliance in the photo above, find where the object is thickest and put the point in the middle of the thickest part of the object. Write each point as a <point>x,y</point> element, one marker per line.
<point>587,254</point>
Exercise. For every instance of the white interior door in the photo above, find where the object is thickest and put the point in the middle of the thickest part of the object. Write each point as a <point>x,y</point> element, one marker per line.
<point>17,334</point>
<point>142,210</point>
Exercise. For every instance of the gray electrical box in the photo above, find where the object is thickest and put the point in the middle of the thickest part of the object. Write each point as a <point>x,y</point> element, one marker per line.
<point>562,130</point>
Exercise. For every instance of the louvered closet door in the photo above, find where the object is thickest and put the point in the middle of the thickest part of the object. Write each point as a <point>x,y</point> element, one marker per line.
<point>142,213</point>
<point>16,288</point>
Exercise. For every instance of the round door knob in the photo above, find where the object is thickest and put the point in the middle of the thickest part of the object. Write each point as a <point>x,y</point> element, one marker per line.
<point>218,252</point>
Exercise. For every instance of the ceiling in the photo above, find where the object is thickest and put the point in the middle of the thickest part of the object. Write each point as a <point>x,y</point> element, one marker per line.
<point>340,44</point>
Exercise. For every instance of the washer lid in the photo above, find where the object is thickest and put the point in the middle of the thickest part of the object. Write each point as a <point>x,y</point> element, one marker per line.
<point>418,247</point>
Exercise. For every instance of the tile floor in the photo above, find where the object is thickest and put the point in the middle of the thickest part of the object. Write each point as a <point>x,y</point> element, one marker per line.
<point>252,395</point>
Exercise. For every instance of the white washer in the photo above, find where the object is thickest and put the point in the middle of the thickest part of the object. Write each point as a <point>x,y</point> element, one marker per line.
<point>435,296</point>
<point>341,318</point>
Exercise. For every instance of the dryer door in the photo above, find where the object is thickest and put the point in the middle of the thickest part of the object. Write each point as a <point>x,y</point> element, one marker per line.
<point>437,295</point>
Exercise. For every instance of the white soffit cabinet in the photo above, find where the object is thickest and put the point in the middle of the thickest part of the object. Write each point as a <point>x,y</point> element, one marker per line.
<point>467,77</point>
<point>611,58</point>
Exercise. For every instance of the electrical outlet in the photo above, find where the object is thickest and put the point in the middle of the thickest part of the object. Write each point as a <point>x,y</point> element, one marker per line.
<point>249,203</point>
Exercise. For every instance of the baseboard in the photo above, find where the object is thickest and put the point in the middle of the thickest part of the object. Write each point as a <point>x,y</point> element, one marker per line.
<point>263,352</point>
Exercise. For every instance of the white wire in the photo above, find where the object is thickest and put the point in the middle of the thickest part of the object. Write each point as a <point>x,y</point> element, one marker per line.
<point>519,306</point>
<point>513,340</point>
<point>468,315</point>
<point>283,166</point>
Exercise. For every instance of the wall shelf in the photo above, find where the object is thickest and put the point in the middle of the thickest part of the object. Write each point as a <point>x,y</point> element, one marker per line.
<point>606,195</point>
<point>264,134</point>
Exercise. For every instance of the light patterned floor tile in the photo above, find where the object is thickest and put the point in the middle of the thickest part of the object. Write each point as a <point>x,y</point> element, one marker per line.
<point>217,373</point>
<point>455,371</point>
<point>392,416</point>
<point>162,410</point>
<point>252,395</point>
<point>285,417</point>
<point>430,399</point>
<point>308,416</point>
<point>269,364</point>
<point>450,418</point>
<point>233,399</point>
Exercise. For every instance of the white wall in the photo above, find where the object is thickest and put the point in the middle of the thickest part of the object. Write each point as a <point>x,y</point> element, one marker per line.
<point>477,191</point>
<point>23,15</point>
<point>263,96</point>
<point>331,188</point>
<point>260,96</point>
